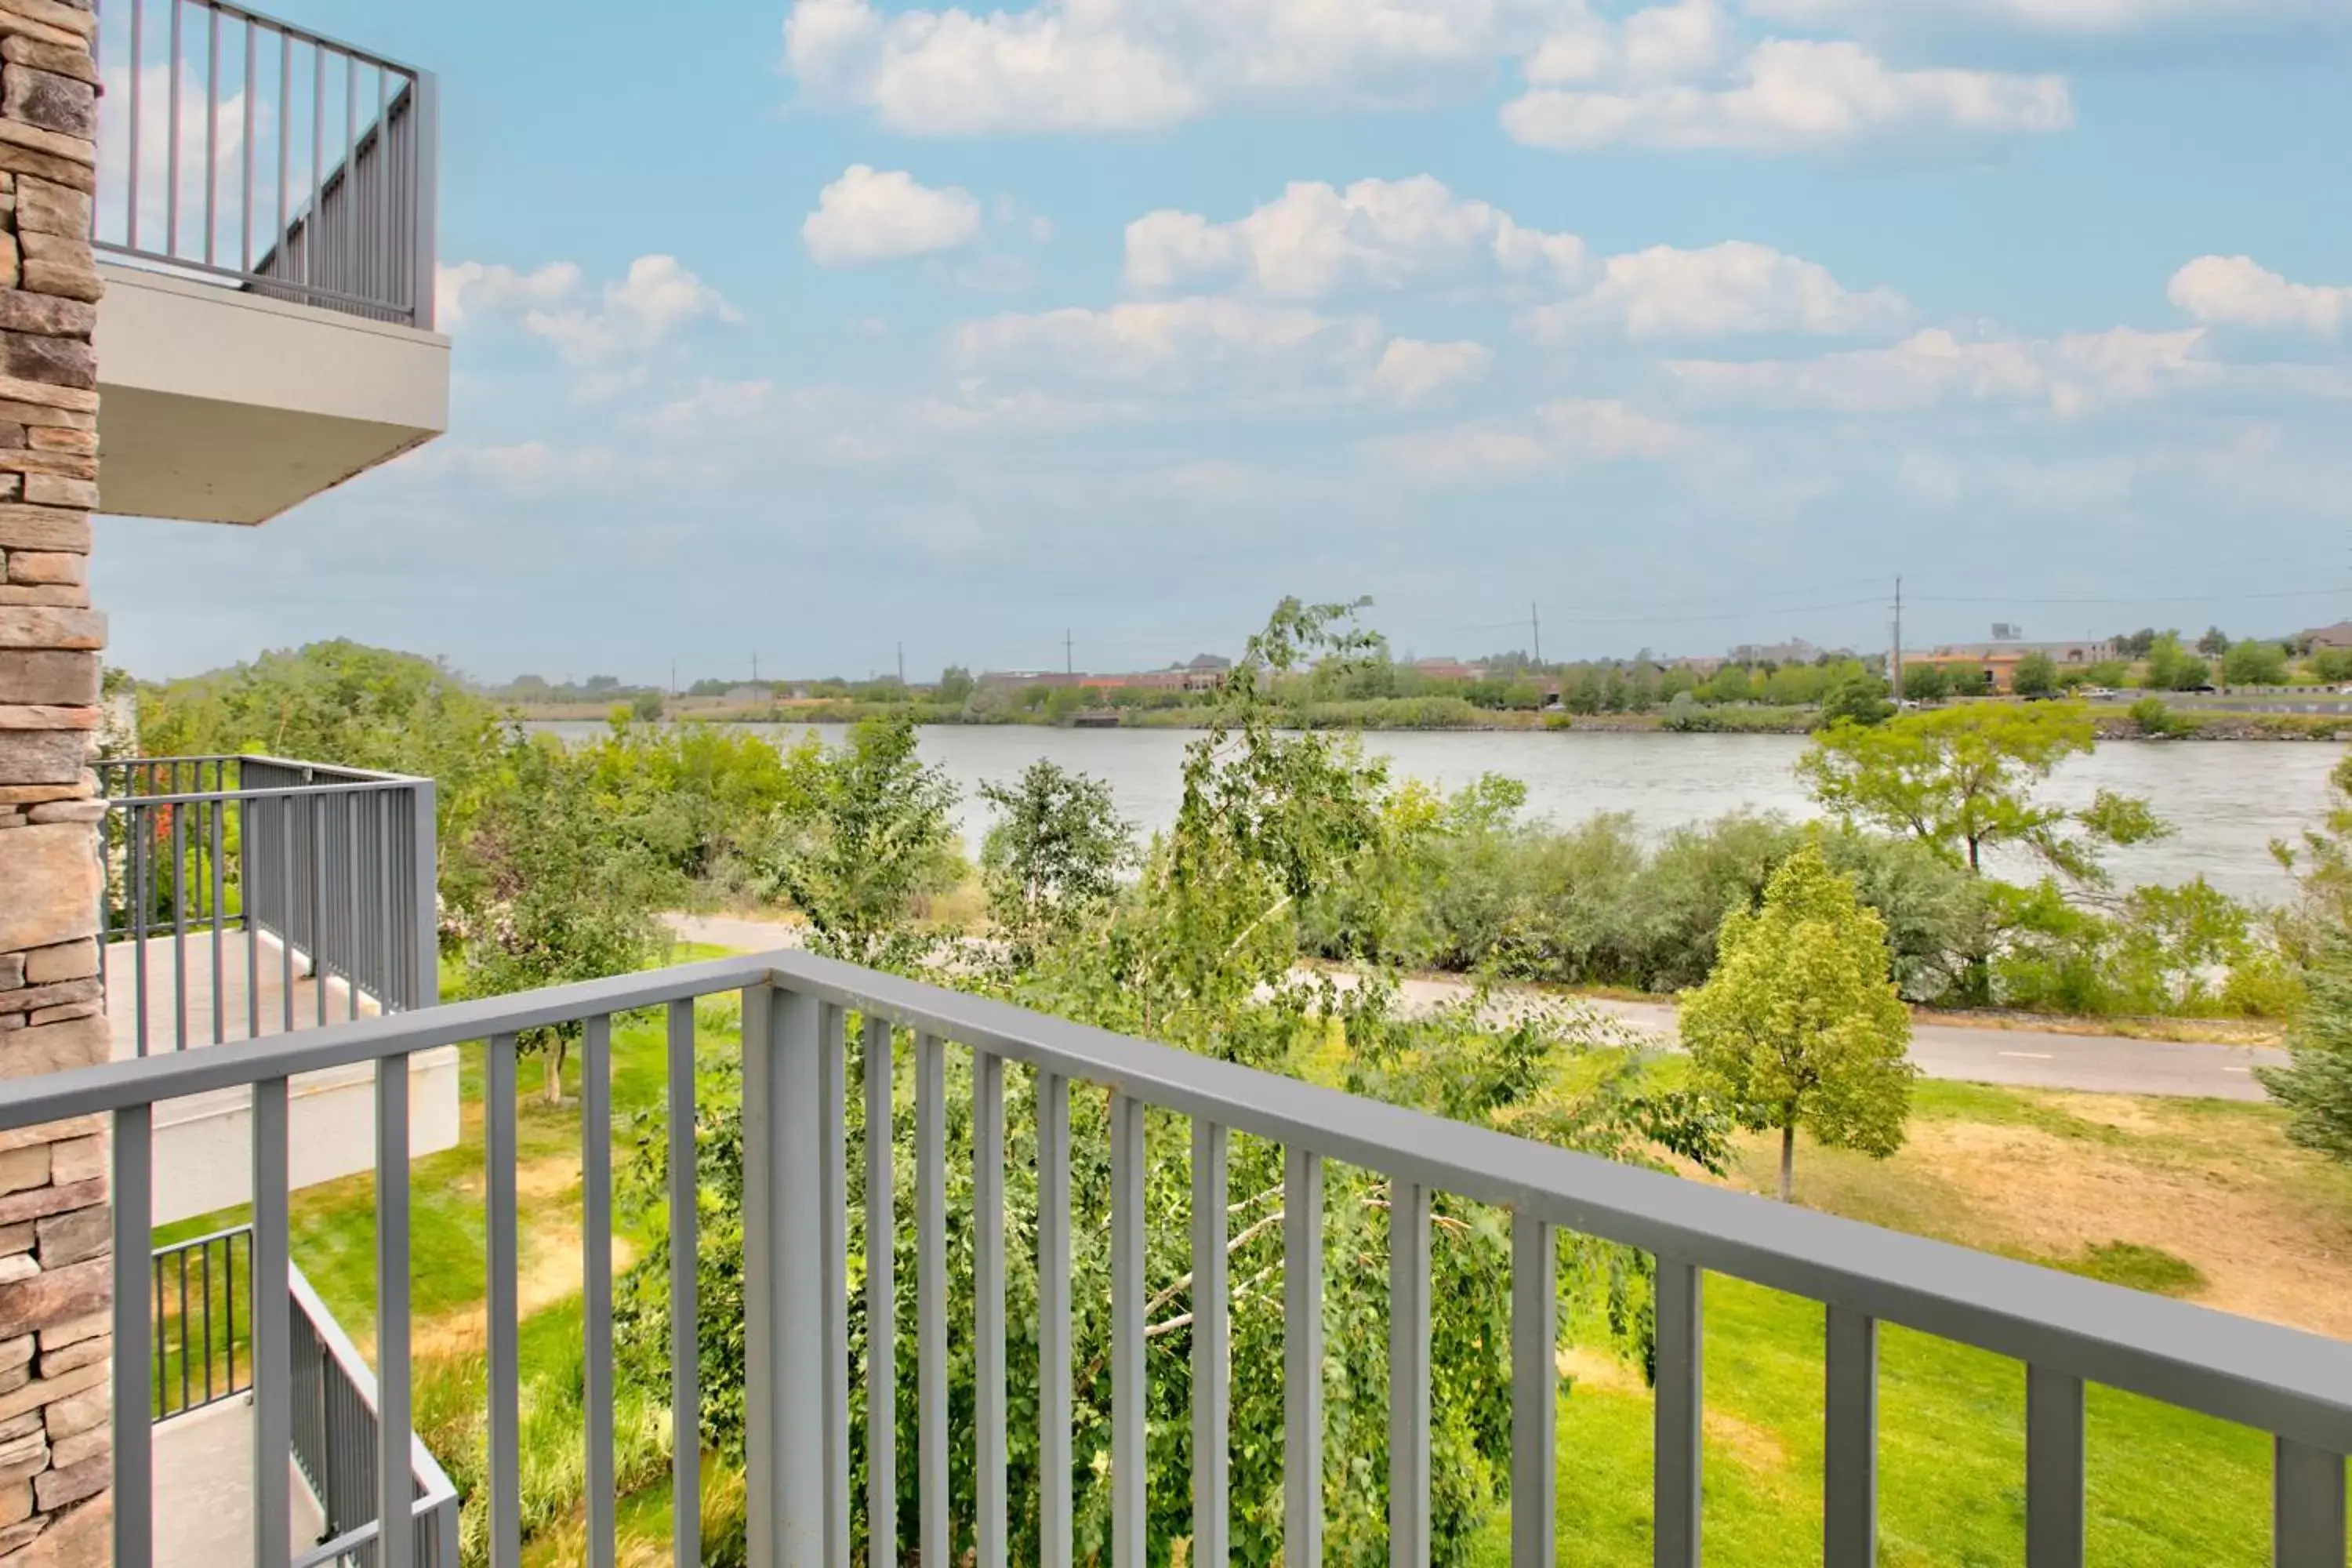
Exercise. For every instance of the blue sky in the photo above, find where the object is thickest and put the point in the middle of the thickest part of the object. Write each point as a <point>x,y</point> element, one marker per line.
<point>812,329</point>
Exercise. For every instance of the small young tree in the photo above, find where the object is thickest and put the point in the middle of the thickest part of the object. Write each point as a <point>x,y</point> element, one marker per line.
<point>2315,1085</point>
<point>1856,696</point>
<point>861,836</point>
<point>1799,1026</point>
<point>1925,683</point>
<point>2036,676</point>
<point>2254,664</point>
<point>1053,858</point>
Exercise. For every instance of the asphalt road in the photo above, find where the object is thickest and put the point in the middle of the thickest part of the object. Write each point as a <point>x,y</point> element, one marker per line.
<point>2031,1058</point>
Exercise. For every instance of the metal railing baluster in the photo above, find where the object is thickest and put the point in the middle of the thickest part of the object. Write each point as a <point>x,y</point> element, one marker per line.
<point>1302,1356</point>
<point>685,1324</point>
<point>1849,1441</point>
<point>931,1294</point>
<point>881,1303</point>
<point>219,880</point>
<point>1408,1375</point>
<point>1535,1407</point>
<point>596,1280</point>
<point>1128,1388</point>
<point>133,1433</point>
<point>179,928</point>
<point>272,1351</point>
<point>2307,1506</point>
<point>784,1237</point>
<point>396,1483</point>
<point>2054,1469</point>
<point>833,1179</point>
<point>989,1450</point>
<point>1211,1346</point>
<point>1054,1364</point>
<point>1681,1393</point>
<point>502,1319</point>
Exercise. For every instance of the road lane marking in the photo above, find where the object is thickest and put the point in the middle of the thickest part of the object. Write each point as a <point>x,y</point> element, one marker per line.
<point>2029,1056</point>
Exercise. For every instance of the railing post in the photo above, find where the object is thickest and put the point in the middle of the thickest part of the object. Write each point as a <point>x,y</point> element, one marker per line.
<point>427,982</point>
<point>2307,1506</point>
<point>425,115</point>
<point>1534,1391</point>
<point>2054,1469</point>
<point>1681,1391</point>
<point>1849,1456</point>
<point>784,1280</point>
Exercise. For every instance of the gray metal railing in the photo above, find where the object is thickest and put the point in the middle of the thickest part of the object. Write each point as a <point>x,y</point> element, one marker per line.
<point>235,883</point>
<point>2065,1332</point>
<point>265,156</point>
<point>200,1298</point>
<point>334,1430</point>
<point>336,1434</point>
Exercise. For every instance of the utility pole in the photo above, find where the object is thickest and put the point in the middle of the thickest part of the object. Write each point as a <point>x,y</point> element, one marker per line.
<point>1895,661</point>
<point>1535,632</point>
<point>902,664</point>
<point>755,667</point>
<point>1069,659</point>
<point>673,680</point>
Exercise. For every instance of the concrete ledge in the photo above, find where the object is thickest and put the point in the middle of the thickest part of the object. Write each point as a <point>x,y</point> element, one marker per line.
<point>224,407</point>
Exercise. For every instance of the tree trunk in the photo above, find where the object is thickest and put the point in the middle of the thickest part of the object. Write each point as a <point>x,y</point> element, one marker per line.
<point>1789,1160</point>
<point>553,1060</point>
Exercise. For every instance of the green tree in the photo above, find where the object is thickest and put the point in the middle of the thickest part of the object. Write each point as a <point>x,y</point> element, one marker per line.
<point>1961,780</point>
<point>1729,684</point>
<point>1856,696</point>
<point>545,896</point>
<point>955,684</point>
<point>647,707</point>
<point>1925,683</point>
<point>2171,668</point>
<point>2332,663</point>
<point>2036,676</point>
<point>1799,1026</point>
<point>863,835</point>
<point>2152,716</point>
<point>2254,663</point>
<point>2214,643</point>
<point>2316,1086</point>
<point>1052,860</point>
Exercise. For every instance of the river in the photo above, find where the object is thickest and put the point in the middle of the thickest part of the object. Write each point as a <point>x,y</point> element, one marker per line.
<point>2226,800</point>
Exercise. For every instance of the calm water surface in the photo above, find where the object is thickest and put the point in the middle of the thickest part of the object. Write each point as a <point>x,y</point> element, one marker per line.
<point>2227,800</point>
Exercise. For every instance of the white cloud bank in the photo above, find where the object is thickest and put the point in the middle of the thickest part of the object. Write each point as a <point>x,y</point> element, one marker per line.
<point>2072,374</point>
<point>869,214</point>
<point>1558,434</point>
<point>1717,290</point>
<point>2237,291</point>
<point>1784,96</point>
<point>631,316</point>
<point>1669,76</point>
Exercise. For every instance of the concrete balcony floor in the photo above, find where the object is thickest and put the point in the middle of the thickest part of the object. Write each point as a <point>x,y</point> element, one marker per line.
<point>203,1490</point>
<point>204,1142</point>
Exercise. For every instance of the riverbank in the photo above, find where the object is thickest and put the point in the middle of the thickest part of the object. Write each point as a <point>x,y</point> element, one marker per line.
<point>1412,715</point>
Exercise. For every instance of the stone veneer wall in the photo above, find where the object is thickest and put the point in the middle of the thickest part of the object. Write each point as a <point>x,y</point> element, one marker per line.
<point>54,1236</point>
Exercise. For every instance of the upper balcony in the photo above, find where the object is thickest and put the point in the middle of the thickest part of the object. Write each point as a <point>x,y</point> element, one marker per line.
<point>874,1282</point>
<point>264,225</point>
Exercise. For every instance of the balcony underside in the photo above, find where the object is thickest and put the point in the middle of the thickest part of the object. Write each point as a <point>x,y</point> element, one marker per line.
<point>219,405</point>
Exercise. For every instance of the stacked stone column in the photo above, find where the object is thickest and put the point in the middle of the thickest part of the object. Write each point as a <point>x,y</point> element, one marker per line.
<point>55,1224</point>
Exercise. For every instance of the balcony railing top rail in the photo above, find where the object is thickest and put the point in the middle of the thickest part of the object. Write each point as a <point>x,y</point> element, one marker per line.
<point>267,157</point>
<point>2067,1331</point>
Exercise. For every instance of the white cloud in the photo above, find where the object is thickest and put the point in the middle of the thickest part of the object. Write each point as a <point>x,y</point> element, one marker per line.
<point>1665,43</point>
<point>494,287</point>
<point>1172,342</point>
<point>1737,287</point>
<point>1315,240</point>
<point>1412,372</point>
<point>1130,65</point>
<point>2091,18</point>
<point>1568,431</point>
<point>885,215</point>
<point>2234,290</point>
<point>634,314</point>
<point>1789,95</point>
<point>2070,374</point>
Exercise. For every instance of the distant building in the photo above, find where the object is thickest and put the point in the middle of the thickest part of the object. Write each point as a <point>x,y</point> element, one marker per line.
<point>2338,635</point>
<point>749,693</point>
<point>1999,660</point>
<point>1206,672</point>
<point>1796,650</point>
<point>1452,669</point>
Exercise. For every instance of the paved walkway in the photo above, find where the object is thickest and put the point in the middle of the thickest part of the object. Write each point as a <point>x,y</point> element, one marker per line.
<point>2030,1058</point>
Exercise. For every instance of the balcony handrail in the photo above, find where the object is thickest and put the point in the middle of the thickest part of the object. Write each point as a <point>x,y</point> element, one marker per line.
<point>336,211</point>
<point>2067,1331</point>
